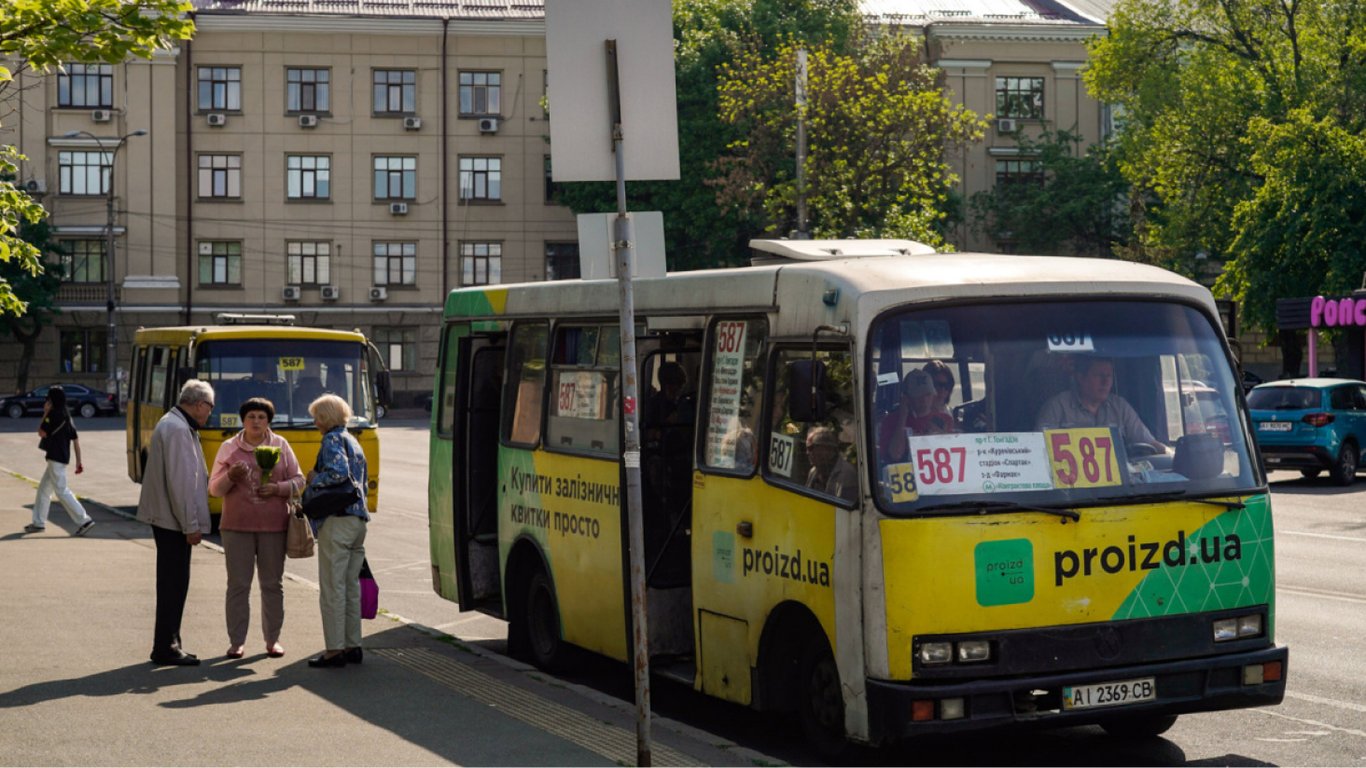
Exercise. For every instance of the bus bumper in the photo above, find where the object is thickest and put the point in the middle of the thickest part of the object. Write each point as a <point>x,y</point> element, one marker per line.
<point>1191,685</point>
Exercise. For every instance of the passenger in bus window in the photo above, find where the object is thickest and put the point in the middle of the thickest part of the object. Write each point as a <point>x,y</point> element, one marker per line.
<point>1091,402</point>
<point>942,376</point>
<point>915,415</point>
<point>830,473</point>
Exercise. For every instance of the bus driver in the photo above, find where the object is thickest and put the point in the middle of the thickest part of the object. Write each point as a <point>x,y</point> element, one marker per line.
<point>1090,402</point>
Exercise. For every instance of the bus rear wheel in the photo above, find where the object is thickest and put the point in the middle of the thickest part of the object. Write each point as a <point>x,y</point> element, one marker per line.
<point>1140,727</point>
<point>544,646</point>
<point>821,701</point>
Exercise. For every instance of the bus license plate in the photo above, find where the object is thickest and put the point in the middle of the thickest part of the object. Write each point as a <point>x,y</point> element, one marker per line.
<point>1275,426</point>
<point>1110,694</point>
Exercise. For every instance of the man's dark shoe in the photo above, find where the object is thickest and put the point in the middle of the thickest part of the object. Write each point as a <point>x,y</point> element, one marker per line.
<point>354,655</point>
<point>174,658</point>
<point>323,660</point>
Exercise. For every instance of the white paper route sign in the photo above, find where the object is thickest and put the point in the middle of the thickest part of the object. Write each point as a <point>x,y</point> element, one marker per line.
<point>997,462</point>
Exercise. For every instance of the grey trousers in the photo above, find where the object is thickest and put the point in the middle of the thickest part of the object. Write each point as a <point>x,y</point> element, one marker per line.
<point>263,553</point>
<point>341,550</point>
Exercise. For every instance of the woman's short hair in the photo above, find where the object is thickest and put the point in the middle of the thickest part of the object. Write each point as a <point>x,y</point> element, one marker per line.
<point>257,404</point>
<point>329,411</point>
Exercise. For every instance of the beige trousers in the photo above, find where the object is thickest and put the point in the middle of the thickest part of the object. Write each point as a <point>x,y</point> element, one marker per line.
<point>341,550</point>
<point>263,553</point>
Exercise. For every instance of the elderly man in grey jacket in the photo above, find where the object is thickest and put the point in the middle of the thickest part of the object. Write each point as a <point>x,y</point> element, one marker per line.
<point>175,502</point>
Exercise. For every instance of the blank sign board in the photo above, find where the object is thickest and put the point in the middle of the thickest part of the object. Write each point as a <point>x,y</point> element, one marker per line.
<point>576,33</point>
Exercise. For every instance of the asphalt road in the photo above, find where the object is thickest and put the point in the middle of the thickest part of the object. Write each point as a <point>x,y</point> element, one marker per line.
<point>1321,615</point>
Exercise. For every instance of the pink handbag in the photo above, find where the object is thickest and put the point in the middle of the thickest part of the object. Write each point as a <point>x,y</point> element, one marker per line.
<point>369,592</point>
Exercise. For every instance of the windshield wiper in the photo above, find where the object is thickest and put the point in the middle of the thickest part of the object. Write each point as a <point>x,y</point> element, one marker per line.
<point>1001,506</point>
<point>1168,495</point>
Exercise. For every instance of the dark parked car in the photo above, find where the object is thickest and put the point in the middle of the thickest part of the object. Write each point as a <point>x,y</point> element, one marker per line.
<point>1311,425</point>
<point>79,398</point>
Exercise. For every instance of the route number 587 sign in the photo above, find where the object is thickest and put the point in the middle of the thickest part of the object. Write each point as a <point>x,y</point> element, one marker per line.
<point>1083,457</point>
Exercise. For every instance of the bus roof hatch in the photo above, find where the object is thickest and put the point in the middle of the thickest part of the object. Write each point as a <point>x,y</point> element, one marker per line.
<point>821,250</point>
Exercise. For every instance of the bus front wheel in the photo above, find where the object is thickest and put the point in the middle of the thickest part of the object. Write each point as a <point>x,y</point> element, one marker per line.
<point>1141,727</point>
<point>544,646</point>
<point>821,700</point>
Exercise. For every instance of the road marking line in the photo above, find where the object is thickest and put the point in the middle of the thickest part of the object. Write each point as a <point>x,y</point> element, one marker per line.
<point>1350,731</point>
<point>1345,597</point>
<point>1311,698</point>
<point>616,744</point>
<point>1322,536</point>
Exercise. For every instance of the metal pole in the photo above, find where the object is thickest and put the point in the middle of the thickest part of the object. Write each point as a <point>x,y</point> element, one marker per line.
<point>800,88</point>
<point>111,340</point>
<point>623,247</point>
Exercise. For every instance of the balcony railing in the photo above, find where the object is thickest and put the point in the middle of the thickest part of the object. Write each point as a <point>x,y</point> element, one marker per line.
<point>85,293</point>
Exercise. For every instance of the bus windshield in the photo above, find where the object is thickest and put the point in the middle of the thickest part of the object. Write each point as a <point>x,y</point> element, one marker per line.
<point>1053,404</point>
<point>291,373</point>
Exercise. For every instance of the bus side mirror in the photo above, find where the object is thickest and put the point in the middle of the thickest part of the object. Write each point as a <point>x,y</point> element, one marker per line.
<point>383,388</point>
<point>806,390</point>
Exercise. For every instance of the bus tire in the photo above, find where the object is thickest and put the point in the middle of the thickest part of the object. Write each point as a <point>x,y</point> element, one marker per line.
<point>821,700</point>
<point>1139,727</point>
<point>544,645</point>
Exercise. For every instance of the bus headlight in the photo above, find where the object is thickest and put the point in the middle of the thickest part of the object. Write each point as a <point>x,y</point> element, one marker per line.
<point>974,650</point>
<point>936,653</point>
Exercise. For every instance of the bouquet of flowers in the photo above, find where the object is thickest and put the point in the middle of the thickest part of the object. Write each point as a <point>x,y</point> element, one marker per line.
<point>266,458</point>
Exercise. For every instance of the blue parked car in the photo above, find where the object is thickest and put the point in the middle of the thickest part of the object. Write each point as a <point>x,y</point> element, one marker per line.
<point>1311,425</point>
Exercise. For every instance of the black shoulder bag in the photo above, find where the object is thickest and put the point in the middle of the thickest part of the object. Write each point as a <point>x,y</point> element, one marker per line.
<point>325,501</point>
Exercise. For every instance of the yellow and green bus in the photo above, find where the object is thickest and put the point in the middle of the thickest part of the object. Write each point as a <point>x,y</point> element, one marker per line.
<point>817,541</point>
<point>256,356</point>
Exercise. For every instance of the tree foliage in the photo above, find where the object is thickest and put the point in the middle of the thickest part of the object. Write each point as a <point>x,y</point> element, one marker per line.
<point>42,35</point>
<point>1074,208</point>
<point>38,290</point>
<point>697,232</point>
<point>1195,80</point>
<point>878,126</point>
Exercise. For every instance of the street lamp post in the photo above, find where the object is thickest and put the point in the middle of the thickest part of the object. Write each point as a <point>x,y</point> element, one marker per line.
<point>111,337</point>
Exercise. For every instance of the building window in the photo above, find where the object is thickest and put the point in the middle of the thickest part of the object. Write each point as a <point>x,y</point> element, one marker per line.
<point>561,261</point>
<point>220,262</point>
<point>395,91</point>
<point>220,176</point>
<point>89,86</point>
<point>220,88</point>
<point>395,263</point>
<point>1018,172</point>
<point>307,90</point>
<point>1019,97</point>
<point>83,261</point>
<point>82,350</point>
<point>481,93</point>
<point>395,178</point>
<point>398,346</point>
<point>481,263</point>
<point>309,263</point>
<point>481,178</point>
<point>308,177</point>
<point>84,173</point>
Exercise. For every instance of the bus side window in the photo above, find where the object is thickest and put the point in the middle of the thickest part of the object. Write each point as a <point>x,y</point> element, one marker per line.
<point>524,386</point>
<point>820,456</point>
<point>584,373</point>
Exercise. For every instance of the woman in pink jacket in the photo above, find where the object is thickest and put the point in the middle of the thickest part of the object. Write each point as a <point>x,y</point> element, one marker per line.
<point>255,518</point>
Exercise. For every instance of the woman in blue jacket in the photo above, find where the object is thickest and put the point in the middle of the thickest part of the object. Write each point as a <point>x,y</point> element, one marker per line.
<point>341,537</point>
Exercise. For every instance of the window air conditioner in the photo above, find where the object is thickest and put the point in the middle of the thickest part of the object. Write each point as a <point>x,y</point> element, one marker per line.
<point>308,121</point>
<point>216,119</point>
<point>331,293</point>
<point>412,123</point>
<point>1006,125</point>
<point>291,293</point>
<point>488,125</point>
<point>101,115</point>
<point>35,187</point>
<point>379,293</point>
<point>398,209</point>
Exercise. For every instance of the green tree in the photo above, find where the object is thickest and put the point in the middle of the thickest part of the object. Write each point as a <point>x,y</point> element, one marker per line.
<point>39,291</point>
<point>42,35</point>
<point>1194,80</point>
<point>708,33</point>
<point>878,127</point>
<point>1304,230</point>
<point>1074,205</point>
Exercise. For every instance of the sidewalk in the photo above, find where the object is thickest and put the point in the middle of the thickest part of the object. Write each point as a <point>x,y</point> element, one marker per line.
<point>76,687</point>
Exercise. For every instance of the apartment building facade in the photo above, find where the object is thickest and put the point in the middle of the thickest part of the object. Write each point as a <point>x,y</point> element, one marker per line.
<point>345,162</point>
